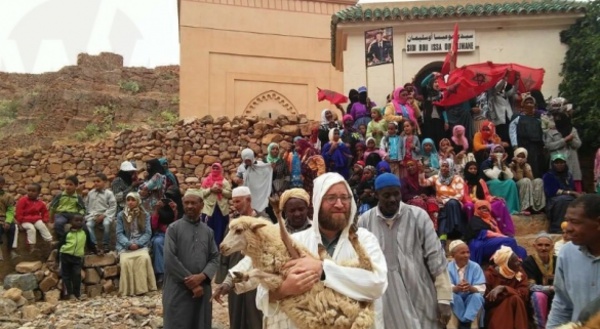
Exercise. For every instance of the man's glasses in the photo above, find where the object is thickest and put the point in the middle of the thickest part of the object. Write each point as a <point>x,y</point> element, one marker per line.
<point>332,199</point>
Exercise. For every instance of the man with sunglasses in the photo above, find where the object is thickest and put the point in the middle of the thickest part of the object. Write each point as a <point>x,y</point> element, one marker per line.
<point>420,291</point>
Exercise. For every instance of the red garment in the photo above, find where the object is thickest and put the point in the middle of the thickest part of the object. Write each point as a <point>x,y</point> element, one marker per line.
<point>30,211</point>
<point>510,309</point>
<point>156,226</point>
<point>487,135</point>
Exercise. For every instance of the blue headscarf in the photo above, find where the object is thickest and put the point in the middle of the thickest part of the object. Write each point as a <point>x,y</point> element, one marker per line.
<point>383,167</point>
<point>170,176</point>
<point>433,155</point>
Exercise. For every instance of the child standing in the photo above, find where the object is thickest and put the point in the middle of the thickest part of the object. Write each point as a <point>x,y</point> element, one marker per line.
<point>64,205</point>
<point>71,250</point>
<point>7,218</point>
<point>101,208</point>
<point>32,216</point>
<point>393,147</point>
<point>411,145</point>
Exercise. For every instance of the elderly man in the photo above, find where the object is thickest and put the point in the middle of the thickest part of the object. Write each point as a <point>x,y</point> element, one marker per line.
<point>243,313</point>
<point>191,260</point>
<point>576,281</point>
<point>258,177</point>
<point>468,286</point>
<point>420,292</point>
<point>334,212</point>
<point>539,268</point>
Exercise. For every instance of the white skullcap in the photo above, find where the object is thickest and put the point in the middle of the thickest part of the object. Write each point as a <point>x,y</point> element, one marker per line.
<point>194,192</point>
<point>240,191</point>
<point>127,166</point>
<point>455,244</point>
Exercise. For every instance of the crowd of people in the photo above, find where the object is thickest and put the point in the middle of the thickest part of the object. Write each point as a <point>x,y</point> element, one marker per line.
<point>411,175</point>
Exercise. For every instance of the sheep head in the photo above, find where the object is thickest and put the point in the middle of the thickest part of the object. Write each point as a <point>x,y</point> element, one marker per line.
<point>239,233</point>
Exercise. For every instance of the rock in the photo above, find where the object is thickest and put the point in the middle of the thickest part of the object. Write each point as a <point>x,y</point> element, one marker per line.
<point>99,261</point>
<point>46,308</point>
<point>22,301</point>
<point>30,312</point>
<point>7,307</point>
<point>156,323</point>
<point>195,160</point>
<point>28,267</point>
<point>54,168</point>
<point>21,281</point>
<point>49,282</point>
<point>110,271</point>
<point>52,296</point>
<point>13,294</point>
<point>29,295</point>
<point>108,287</point>
<point>94,290</point>
<point>91,276</point>
<point>39,275</point>
<point>141,311</point>
<point>209,159</point>
<point>291,130</point>
<point>192,180</point>
<point>172,135</point>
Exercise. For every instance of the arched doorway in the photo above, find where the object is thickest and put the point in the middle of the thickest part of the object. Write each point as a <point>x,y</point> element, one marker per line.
<point>270,104</point>
<point>427,70</point>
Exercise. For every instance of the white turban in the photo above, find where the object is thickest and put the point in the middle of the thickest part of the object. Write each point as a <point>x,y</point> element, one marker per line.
<point>322,184</point>
<point>240,191</point>
<point>247,154</point>
<point>521,150</point>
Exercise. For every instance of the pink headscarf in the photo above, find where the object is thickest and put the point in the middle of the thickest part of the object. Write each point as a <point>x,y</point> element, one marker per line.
<point>399,102</point>
<point>463,140</point>
<point>214,177</point>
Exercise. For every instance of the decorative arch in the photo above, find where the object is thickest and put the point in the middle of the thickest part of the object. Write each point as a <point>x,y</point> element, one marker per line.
<point>270,102</point>
<point>426,70</point>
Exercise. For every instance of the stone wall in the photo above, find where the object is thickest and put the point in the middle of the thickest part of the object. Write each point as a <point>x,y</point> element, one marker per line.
<point>191,147</point>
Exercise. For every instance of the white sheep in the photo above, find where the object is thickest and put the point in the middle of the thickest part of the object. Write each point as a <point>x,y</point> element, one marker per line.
<point>319,308</point>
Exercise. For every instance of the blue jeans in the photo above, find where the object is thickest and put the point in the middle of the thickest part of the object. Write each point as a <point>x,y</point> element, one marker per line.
<point>60,220</point>
<point>158,242</point>
<point>91,224</point>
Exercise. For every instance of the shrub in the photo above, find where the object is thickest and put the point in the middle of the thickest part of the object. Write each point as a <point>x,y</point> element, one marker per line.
<point>130,86</point>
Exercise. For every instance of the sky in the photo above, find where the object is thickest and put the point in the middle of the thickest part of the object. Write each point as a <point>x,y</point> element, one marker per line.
<point>39,36</point>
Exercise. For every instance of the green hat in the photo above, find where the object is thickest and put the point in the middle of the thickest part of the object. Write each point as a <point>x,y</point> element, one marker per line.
<point>558,156</point>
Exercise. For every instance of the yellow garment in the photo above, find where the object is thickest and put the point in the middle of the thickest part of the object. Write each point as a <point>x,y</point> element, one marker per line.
<point>501,258</point>
<point>137,274</point>
<point>295,193</point>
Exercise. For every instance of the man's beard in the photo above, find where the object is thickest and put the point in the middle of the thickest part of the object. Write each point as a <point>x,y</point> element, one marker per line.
<point>333,221</point>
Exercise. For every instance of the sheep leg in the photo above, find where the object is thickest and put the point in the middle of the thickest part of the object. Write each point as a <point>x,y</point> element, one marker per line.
<point>364,260</point>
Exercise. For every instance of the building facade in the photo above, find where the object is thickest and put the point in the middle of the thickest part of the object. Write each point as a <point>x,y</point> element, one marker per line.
<point>525,33</point>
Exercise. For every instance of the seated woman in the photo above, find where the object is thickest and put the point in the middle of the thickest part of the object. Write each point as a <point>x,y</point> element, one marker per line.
<point>133,239</point>
<point>485,237</point>
<point>468,285</point>
<point>336,154</point>
<point>499,179</point>
<point>477,189</point>
<point>539,268</point>
<point>531,189</point>
<point>560,191</point>
<point>449,189</point>
<point>460,147</point>
<point>429,158</point>
<point>484,140</point>
<point>506,293</point>
<point>415,194</point>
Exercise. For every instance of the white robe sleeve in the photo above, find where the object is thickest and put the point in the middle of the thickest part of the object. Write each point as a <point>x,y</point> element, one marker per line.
<point>358,283</point>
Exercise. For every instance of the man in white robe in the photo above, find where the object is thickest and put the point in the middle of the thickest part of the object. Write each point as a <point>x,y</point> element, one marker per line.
<point>419,292</point>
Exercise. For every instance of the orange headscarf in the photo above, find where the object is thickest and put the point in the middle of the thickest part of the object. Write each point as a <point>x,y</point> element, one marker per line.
<point>487,135</point>
<point>486,216</point>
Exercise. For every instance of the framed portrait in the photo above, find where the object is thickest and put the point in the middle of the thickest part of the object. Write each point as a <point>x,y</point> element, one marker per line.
<point>379,47</point>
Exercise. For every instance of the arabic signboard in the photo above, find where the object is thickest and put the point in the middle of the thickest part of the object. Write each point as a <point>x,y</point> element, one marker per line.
<point>438,42</point>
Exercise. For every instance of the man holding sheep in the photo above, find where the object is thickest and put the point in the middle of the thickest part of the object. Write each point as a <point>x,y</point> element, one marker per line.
<point>420,292</point>
<point>334,213</point>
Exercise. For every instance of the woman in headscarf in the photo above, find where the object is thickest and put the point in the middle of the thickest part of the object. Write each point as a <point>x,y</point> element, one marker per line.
<point>415,194</point>
<point>353,98</point>
<point>365,190</point>
<point>156,181</point>
<point>372,147</point>
<point>216,193</point>
<point>382,167</point>
<point>499,178</point>
<point>165,213</point>
<point>327,122</point>
<point>449,190</point>
<point>484,140</point>
<point>531,189</point>
<point>468,286</point>
<point>377,126</point>
<point>133,239</point>
<point>312,164</point>
<point>294,163</point>
<point>460,114</point>
<point>361,110</point>
<point>350,135</point>
<point>461,148</point>
<point>281,174</point>
<point>399,109</point>
<point>125,182</point>
<point>435,118</point>
<point>484,235</point>
<point>429,158</point>
<point>507,292</point>
<point>476,189</point>
<point>336,155</point>
<point>563,139</point>
<point>172,181</point>
<point>445,150</point>
<point>540,268</point>
<point>560,191</point>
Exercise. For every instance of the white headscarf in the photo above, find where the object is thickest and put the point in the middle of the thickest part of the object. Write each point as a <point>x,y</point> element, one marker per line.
<point>247,154</point>
<point>323,118</point>
<point>322,184</point>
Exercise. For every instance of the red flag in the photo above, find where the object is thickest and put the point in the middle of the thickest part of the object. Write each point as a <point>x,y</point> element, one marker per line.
<point>471,80</point>
<point>332,96</point>
<point>452,55</point>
